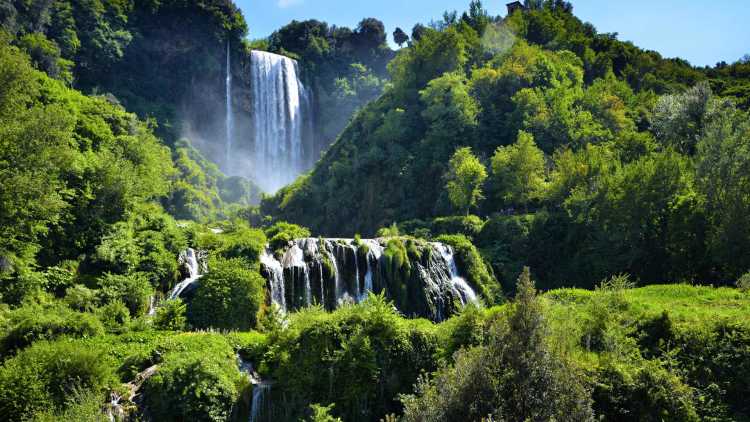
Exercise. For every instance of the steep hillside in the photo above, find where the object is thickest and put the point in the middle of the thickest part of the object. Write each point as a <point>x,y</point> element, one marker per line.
<point>592,155</point>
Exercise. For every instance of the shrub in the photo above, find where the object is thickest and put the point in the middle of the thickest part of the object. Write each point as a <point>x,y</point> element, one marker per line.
<point>43,376</point>
<point>469,226</point>
<point>360,358</point>
<point>238,241</point>
<point>643,391</point>
<point>198,380</point>
<point>115,316</point>
<point>171,315</point>
<point>229,296</point>
<point>743,283</point>
<point>84,406</point>
<point>35,322</point>
<point>133,290</point>
<point>281,233</point>
<point>81,298</point>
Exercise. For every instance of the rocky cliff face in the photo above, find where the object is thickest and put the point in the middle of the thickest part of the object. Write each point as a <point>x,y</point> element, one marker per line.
<point>421,278</point>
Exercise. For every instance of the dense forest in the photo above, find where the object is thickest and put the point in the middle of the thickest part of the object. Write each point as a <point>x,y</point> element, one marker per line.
<point>545,223</point>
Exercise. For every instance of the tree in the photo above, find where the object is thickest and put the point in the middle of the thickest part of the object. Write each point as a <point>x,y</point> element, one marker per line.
<point>678,119</point>
<point>464,180</point>
<point>229,296</point>
<point>516,377</point>
<point>518,172</point>
<point>400,37</point>
<point>370,34</point>
<point>723,173</point>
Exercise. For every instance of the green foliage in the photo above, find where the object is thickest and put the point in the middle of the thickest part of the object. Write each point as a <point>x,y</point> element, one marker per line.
<point>322,414</point>
<point>134,291</point>
<point>236,241</point>
<point>464,180</point>
<point>281,233</point>
<point>32,323</point>
<point>83,406</point>
<point>229,297</point>
<point>201,370</point>
<point>358,358</point>
<point>723,158</point>
<point>43,376</point>
<point>515,376</point>
<point>171,316</point>
<point>518,172</point>
<point>81,298</point>
<point>115,316</point>
<point>743,283</point>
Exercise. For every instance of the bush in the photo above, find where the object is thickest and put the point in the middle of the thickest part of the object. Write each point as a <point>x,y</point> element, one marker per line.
<point>133,290</point>
<point>198,380</point>
<point>81,298</point>
<point>43,376</point>
<point>281,233</point>
<point>469,226</point>
<point>35,322</point>
<point>744,282</point>
<point>238,241</point>
<point>171,316</point>
<point>84,406</point>
<point>115,316</point>
<point>359,358</point>
<point>643,391</point>
<point>229,296</point>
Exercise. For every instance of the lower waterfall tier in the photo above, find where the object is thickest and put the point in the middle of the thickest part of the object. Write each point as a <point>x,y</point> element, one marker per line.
<point>421,278</point>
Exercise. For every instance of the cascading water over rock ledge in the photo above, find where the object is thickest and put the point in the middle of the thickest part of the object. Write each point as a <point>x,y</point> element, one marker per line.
<point>281,120</point>
<point>422,278</point>
<point>194,265</point>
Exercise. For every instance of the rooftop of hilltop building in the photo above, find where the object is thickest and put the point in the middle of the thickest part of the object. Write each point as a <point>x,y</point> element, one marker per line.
<point>513,6</point>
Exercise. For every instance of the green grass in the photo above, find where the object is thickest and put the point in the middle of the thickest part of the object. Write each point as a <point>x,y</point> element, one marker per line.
<point>685,304</point>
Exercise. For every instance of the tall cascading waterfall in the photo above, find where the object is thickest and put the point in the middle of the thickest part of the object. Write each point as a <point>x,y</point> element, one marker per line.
<point>333,272</point>
<point>281,119</point>
<point>229,111</point>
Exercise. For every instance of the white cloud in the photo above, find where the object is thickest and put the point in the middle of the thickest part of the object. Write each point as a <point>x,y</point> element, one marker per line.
<point>288,3</point>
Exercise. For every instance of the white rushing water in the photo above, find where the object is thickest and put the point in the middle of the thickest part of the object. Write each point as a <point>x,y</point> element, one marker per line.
<point>190,259</point>
<point>334,272</point>
<point>460,286</point>
<point>281,114</point>
<point>229,111</point>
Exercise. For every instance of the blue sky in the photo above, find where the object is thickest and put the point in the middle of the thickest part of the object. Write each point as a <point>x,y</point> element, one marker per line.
<point>703,32</point>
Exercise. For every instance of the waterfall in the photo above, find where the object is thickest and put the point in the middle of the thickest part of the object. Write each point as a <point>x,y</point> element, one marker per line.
<point>281,114</point>
<point>260,407</point>
<point>275,276</point>
<point>189,259</point>
<point>230,117</point>
<point>460,286</point>
<point>433,288</point>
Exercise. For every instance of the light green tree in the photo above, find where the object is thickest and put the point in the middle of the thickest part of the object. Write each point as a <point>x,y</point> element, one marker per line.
<point>464,180</point>
<point>518,172</point>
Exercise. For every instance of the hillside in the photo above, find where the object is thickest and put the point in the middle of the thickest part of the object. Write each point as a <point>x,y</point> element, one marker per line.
<point>595,157</point>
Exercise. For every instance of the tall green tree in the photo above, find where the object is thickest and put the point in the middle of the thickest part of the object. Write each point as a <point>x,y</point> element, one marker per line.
<point>465,177</point>
<point>518,172</point>
<point>724,178</point>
